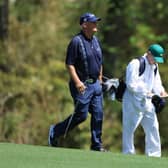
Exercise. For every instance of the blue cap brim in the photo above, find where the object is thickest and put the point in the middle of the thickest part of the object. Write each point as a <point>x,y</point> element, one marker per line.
<point>95,19</point>
<point>159,59</point>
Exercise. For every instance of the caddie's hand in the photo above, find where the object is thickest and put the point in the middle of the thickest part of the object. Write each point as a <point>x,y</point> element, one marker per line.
<point>163,94</point>
<point>149,95</point>
<point>81,87</point>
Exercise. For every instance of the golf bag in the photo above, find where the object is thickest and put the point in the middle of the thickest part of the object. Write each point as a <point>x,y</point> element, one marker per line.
<point>120,89</point>
<point>159,103</point>
<point>116,87</point>
<point>110,86</point>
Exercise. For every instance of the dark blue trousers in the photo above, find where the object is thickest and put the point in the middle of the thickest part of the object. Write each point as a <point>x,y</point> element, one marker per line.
<point>91,101</point>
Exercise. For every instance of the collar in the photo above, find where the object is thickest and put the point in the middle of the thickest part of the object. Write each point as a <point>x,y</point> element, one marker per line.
<point>83,34</point>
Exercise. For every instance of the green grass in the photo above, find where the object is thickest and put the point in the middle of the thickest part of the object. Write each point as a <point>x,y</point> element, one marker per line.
<point>29,156</point>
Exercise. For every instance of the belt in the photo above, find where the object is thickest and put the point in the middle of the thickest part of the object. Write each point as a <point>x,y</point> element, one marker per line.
<point>90,80</point>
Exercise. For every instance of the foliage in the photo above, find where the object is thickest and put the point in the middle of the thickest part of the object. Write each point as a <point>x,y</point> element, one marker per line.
<point>33,75</point>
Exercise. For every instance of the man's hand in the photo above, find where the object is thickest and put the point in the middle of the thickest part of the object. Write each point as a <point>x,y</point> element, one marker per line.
<point>81,87</point>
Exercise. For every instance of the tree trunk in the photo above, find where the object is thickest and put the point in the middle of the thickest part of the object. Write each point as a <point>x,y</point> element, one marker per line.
<point>3,19</point>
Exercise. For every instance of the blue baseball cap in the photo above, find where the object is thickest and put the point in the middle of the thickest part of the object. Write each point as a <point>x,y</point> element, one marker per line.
<point>88,17</point>
<point>157,52</point>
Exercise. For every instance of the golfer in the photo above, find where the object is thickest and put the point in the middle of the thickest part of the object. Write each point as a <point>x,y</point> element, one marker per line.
<point>84,64</point>
<point>137,106</point>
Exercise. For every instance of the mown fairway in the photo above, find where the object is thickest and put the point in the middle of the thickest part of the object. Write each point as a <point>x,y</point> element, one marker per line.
<point>28,156</point>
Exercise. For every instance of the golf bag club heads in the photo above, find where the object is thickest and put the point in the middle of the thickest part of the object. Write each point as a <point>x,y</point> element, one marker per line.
<point>110,86</point>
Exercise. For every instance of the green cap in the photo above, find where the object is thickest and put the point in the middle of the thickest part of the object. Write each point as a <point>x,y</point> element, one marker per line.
<point>157,51</point>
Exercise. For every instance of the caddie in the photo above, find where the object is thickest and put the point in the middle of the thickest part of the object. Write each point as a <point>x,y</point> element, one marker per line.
<point>138,107</point>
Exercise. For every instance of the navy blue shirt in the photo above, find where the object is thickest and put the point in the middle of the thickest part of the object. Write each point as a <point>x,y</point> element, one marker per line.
<point>93,53</point>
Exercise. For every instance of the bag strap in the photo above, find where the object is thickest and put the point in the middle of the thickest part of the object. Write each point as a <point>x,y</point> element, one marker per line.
<point>84,55</point>
<point>155,70</point>
<point>143,65</point>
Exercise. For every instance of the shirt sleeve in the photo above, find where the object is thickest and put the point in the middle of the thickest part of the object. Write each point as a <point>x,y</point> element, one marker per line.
<point>72,51</point>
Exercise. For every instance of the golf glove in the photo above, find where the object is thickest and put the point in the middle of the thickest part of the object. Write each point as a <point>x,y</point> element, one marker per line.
<point>158,102</point>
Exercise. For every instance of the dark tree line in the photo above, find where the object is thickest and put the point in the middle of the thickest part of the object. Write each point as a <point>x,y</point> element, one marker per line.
<point>4,7</point>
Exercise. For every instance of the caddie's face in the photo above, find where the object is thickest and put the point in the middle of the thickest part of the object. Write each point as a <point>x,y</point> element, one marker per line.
<point>150,58</point>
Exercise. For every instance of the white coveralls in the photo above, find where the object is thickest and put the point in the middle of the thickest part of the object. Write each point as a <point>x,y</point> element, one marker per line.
<point>138,109</point>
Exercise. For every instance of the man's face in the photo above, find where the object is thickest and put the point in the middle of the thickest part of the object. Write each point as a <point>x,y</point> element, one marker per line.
<point>91,26</point>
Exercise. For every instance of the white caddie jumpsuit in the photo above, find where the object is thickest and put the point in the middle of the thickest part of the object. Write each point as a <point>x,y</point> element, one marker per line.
<point>137,108</point>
